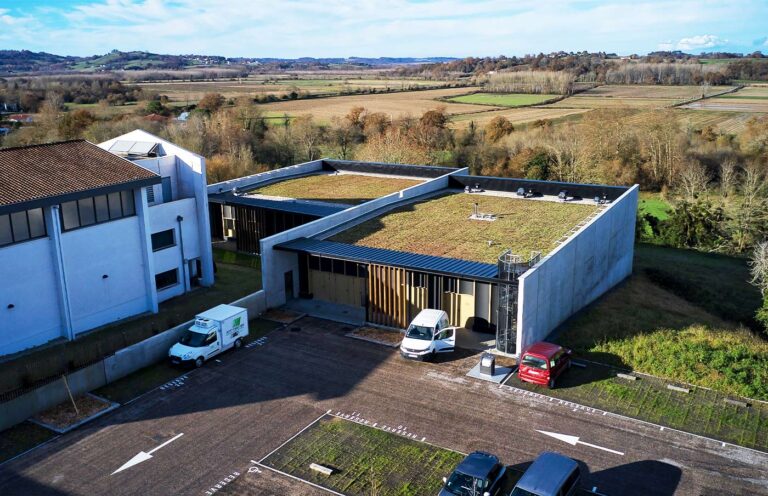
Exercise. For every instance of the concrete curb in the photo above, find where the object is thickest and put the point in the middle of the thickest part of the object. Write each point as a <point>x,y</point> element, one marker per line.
<point>371,340</point>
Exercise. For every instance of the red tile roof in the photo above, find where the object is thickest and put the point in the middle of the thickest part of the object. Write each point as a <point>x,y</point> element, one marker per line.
<point>66,168</point>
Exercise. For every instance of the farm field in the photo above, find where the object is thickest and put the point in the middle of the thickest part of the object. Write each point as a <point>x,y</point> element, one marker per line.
<point>517,116</point>
<point>337,188</point>
<point>393,104</point>
<point>749,99</point>
<point>634,96</point>
<point>191,92</point>
<point>503,100</point>
<point>725,122</point>
<point>521,225</point>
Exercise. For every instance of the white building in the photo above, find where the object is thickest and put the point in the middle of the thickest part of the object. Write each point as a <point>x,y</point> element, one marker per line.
<point>90,235</point>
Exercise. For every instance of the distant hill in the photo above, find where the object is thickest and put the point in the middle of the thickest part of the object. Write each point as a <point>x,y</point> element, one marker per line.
<point>24,61</point>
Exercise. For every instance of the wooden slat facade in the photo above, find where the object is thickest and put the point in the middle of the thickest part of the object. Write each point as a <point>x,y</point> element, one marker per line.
<point>254,223</point>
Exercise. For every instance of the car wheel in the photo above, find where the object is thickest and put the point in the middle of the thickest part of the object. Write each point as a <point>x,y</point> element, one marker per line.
<point>238,343</point>
<point>551,384</point>
<point>199,362</point>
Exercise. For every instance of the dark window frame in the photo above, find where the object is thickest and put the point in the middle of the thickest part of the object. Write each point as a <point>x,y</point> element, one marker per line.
<point>163,247</point>
<point>122,195</point>
<point>28,226</point>
<point>175,272</point>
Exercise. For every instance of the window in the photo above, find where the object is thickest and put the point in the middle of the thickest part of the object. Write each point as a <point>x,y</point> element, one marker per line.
<point>466,287</point>
<point>86,211</point>
<point>102,208</point>
<point>96,209</point>
<point>163,239</point>
<point>150,194</point>
<point>338,267</point>
<point>314,263</point>
<point>22,226</point>
<point>166,279</point>
<point>450,285</point>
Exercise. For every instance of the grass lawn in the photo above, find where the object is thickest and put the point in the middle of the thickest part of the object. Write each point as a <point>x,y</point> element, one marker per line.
<point>336,188</point>
<point>367,460</point>
<point>681,316</point>
<point>702,411</point>
<point>232,282</point>
<point>148,378</point>
<point>441,226</point>
<point>22,437</point>
<point>503,100</point>
<point>236,258</point>
<point>655,205</point>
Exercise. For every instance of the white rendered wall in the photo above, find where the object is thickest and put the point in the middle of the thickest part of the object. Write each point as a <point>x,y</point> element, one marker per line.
<point>113,249</point>
<point>275,263</point>
<point>589,263</point>
<point>163,217</point>
<point>190,183</point>
<point>28,282</point>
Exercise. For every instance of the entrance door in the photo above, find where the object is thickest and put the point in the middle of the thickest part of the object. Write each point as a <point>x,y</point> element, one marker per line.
<point>288,281</point>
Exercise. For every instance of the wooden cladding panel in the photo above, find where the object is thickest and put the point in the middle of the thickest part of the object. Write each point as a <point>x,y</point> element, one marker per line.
<point>387,301</point>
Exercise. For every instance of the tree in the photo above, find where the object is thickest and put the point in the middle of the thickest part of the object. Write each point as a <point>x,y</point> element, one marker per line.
<point>697,224</point>
<point>694,179</point>
<point>309,136</point>
<point>497,128</point>
<point>758,266</point>
<point>211,102</point>
<point>393,146</point>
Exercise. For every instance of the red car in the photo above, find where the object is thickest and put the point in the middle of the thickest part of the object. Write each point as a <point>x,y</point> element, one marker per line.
<point>543,363</point>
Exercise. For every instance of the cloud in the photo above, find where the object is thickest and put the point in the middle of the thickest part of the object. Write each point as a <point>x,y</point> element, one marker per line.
<point>700,42</point>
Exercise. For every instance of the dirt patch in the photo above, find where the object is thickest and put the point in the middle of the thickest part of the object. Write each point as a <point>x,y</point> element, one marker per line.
<point>64,415</point>
<point>377,335</point>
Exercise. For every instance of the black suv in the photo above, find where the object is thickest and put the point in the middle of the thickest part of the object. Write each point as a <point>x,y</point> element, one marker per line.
<point>479,474</point>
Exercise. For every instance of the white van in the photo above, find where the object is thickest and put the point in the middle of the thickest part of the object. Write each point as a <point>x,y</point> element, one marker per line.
<point>428,334</point>
<point>214,331</point>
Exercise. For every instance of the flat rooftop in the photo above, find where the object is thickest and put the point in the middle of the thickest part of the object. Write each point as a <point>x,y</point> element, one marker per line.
<point>440,226</point>
<point>335,187</point>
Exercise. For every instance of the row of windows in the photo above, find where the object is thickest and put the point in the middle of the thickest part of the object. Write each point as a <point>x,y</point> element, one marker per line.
<point>97,209</point>
<point>418,279</point>
<point>338,266</point>
<point>22,226</point>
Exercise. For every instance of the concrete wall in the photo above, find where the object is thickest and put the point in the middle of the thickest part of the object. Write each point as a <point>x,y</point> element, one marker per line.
<point>19,409</point>
<point>112,368</point>
<point>276,263</point>
<point>589,263</point>
<point>28,282</point>
<point>265,177</point>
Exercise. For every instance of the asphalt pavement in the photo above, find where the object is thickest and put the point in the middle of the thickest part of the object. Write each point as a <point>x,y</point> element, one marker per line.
<point>203,437</point>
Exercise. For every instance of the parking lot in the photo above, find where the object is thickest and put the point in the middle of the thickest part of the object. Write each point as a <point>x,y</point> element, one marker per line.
<point>208,435</point>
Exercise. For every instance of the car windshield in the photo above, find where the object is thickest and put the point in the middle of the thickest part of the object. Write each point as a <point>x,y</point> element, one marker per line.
<point>192,339</point>
<point>463,484</point>
<point>522,492</point>
<point>535,362</point>
<point>419,332</point>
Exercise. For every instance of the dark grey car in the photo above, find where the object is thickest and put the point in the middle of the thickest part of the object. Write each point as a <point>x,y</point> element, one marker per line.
<point>551,474</point>
<point>479,474</point>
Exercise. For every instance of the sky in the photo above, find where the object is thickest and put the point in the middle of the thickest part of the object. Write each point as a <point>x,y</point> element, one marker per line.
<point>377,28</point>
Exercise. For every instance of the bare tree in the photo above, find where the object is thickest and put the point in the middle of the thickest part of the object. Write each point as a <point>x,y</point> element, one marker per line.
<point>693,178</point>
<point>727,176</point>
<point>758,267</point>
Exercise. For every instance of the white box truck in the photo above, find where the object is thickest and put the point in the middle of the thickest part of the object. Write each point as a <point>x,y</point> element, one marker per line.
<point>214,331</point>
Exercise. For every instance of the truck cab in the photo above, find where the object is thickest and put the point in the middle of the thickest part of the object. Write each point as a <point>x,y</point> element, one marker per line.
<point>213,332</point>
<point>428,334</point>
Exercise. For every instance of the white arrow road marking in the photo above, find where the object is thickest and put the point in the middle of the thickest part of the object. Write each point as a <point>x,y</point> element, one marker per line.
<point>144,456</point>
<point>574,440</point>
